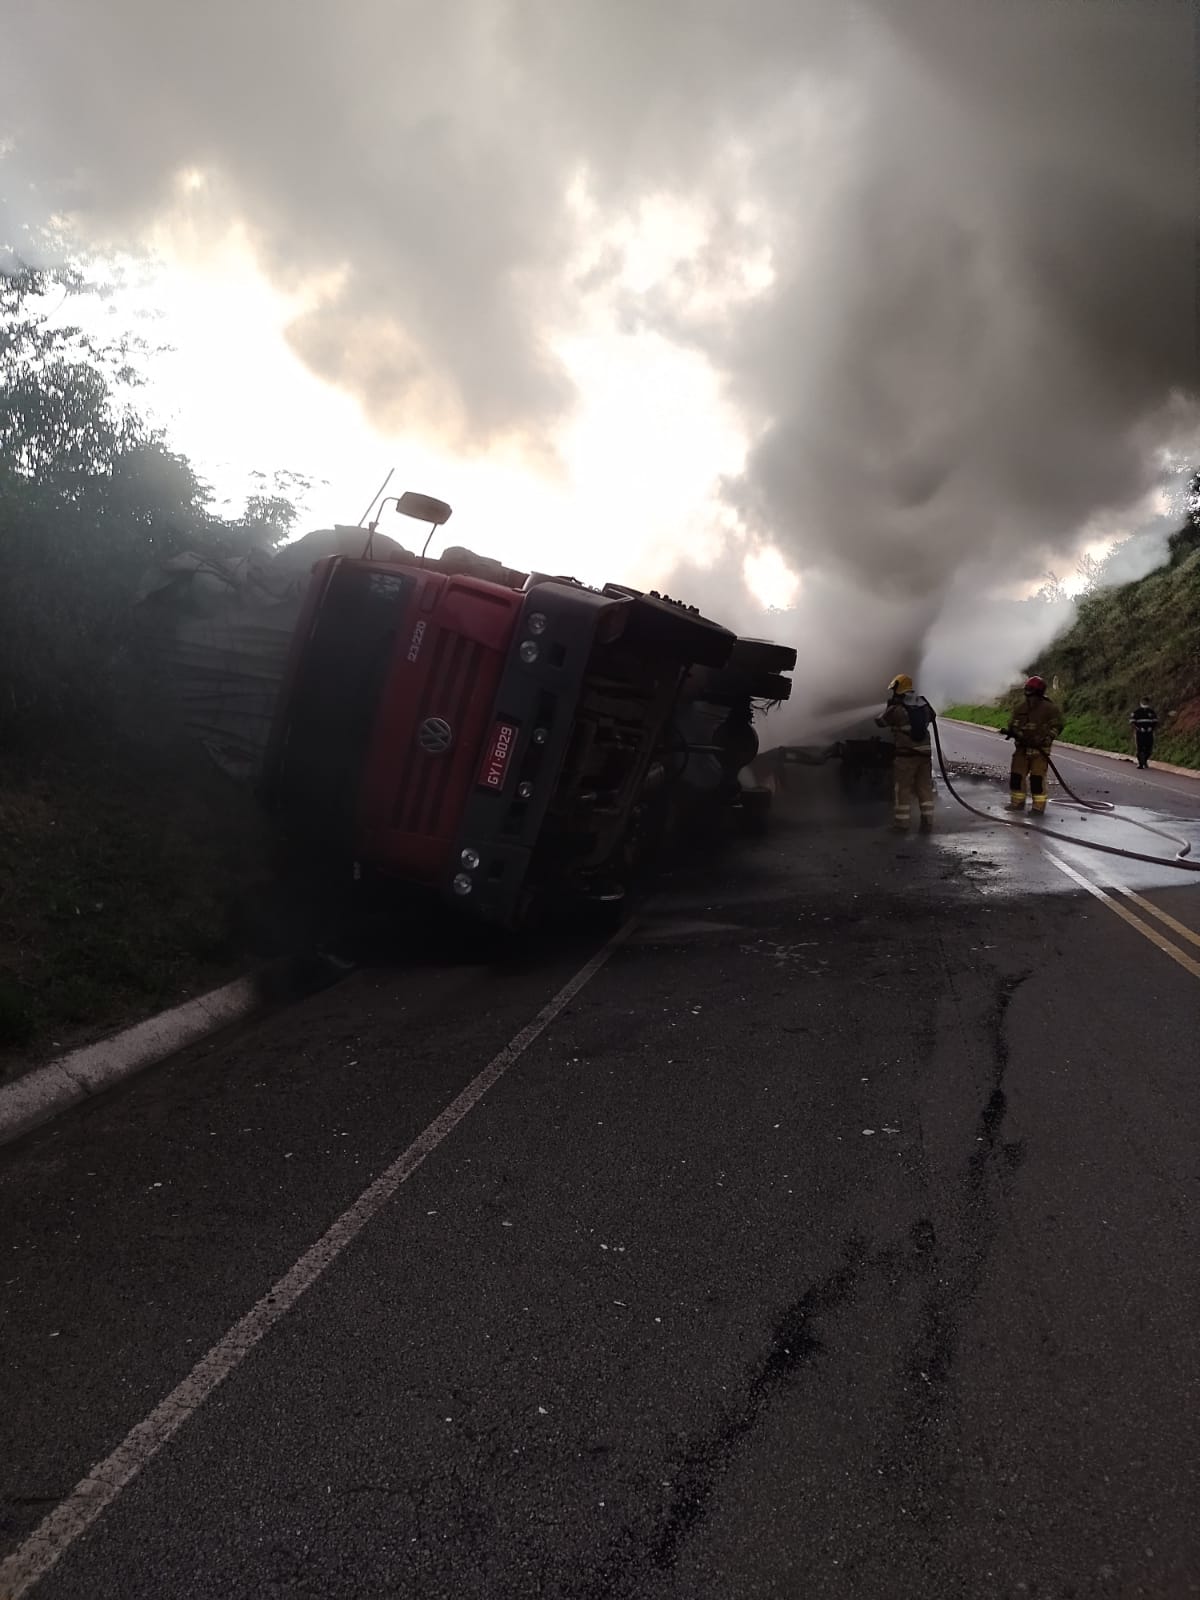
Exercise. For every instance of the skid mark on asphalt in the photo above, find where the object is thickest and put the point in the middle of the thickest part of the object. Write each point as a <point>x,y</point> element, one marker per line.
<point>953,1278</point>
<point>795,1345</point>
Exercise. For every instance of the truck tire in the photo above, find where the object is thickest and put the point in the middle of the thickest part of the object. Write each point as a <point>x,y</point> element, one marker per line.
<point>604,916</point>
<point>664,628</point>
<point>771,686</point>
<point>730,685</point>
<point>760,655</point>
<point>755,811</point>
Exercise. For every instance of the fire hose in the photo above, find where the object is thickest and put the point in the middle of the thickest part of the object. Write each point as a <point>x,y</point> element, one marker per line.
<point>1179,860</point>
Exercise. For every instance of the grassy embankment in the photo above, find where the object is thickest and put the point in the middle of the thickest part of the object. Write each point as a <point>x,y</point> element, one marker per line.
<point>121,867</point>
<point>1141,638</point>
<point>1097,733</point>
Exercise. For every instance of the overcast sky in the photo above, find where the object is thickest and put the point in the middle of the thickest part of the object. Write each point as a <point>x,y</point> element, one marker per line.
<point>894,298</point>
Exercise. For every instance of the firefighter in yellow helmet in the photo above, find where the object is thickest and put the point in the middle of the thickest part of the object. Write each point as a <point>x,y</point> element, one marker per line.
<point>910,718</point>
<point>1033,728</point>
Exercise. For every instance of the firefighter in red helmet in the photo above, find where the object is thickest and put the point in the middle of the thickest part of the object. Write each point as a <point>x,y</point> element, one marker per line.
<point>1033,727</point>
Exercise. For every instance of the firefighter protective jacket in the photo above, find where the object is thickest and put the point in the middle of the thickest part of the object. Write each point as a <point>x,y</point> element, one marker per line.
<point>1036,723</point>
<point>908,716</point>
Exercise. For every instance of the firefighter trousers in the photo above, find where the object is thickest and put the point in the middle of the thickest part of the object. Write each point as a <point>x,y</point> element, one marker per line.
<point>1033,764</point>
<point>913,774</point>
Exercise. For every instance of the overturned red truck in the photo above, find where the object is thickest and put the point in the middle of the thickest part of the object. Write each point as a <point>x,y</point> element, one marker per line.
<point>504,737</point>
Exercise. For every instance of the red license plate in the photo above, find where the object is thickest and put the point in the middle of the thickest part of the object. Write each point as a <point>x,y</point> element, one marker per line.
<point>498,754</point>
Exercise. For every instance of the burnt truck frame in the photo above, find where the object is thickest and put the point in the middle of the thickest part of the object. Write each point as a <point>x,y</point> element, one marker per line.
<point>553,711</point>
<point>491,735</point>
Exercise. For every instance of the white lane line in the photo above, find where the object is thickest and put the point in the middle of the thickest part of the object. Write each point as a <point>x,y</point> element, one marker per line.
<point>1147,780</point>
<point>1114,905</point>
<point>94,1494</point>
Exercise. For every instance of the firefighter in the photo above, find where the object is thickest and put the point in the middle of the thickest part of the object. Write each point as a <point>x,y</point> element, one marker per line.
<point>910,717</point>
<point>1033,728</point>
<point>1144,721</point>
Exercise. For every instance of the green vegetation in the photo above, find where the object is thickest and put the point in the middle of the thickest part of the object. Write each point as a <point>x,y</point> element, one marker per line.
<point>122,851</point>
<point>1097,733</point>
<point>121,867</point>
<point>1140,638</point>
<point>989,716</point>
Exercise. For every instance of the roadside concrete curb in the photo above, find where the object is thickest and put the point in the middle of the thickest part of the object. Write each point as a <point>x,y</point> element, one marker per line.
<point>46,1091</point>
<point>1090,750</point>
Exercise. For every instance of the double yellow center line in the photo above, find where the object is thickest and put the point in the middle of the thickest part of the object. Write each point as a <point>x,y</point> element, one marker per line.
<point>1114,899</point>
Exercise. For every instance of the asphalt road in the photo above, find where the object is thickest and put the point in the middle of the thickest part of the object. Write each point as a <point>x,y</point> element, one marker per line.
<point>838,1237</point>
<point>1114,778</point>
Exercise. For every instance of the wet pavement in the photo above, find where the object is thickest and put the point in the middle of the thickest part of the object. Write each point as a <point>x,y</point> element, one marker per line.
<point>838,1238</point>
<point>1155,815</point>
<point>1095,777</point>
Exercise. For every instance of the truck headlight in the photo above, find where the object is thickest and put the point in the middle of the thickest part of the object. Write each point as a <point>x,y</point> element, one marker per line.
<point>536,623</point>
<point>529,652</point>
<point>470,859</point>
<point>462,884</point>
<point>524,791</point>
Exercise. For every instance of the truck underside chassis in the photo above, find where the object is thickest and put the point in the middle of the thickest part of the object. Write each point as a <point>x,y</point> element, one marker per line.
<point>715,722</point>
<point>695,783</point>
<point>584,720</point>
<point>648,737</point>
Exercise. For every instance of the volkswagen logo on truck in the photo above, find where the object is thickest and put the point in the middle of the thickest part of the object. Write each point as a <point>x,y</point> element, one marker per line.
<point>435,736</point>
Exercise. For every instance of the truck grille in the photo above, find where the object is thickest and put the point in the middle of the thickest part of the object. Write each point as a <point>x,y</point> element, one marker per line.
<point>425,779</point>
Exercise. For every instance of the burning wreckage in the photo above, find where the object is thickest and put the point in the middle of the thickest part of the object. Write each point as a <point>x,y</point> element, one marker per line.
<point>500,738</point>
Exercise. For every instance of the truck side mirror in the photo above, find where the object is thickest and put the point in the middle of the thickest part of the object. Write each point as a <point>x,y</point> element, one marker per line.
<point>423,507</point>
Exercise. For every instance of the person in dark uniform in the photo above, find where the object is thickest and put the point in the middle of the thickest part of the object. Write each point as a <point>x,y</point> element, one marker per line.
<point>1144,721</point>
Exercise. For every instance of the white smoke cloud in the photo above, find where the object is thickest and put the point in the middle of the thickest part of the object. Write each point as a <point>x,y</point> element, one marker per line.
<point>941,251</point>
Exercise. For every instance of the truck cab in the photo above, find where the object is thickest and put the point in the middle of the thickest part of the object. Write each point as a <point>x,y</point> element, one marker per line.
<point>483,733</point>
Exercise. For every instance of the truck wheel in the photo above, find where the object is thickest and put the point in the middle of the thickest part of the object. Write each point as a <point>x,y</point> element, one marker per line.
<point>530,915</point>
<point>755,812</point>
<point>667,629</point>
<point>603,915</point>
<point>770,686</point>
<point>760,655</point>
<point>730,685</point>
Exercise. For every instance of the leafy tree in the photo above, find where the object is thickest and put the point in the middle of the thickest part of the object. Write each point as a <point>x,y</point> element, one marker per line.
<point>1186,539</point>
<point>118,876</point>
<point>90,496</point>
<point>1090,570</point>
<point>272,513</point>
